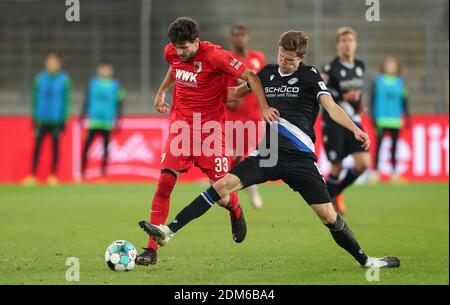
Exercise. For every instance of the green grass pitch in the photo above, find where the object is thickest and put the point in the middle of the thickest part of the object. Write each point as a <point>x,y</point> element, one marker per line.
<point>41,227</point>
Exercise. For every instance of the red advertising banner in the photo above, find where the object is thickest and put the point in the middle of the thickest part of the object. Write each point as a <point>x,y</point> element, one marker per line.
<point>136,147</point>
<point>422,149</point>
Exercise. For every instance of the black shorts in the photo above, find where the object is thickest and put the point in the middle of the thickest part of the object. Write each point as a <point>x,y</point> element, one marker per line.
<point>53,129</point>
<point>339,142</point>
<point>299,171</point>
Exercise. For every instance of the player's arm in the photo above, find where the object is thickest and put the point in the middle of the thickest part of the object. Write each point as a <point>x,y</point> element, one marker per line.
<point>67,100</point>
<point>34,101</point>
<point>405,103</point>
<point>269,114</point>
<point>338,115</point>
<point>159,102</point>
<point>236,93</point>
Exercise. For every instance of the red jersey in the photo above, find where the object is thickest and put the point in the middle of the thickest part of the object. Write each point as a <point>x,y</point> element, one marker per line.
<point>248,109</point>
<point>201,84</point>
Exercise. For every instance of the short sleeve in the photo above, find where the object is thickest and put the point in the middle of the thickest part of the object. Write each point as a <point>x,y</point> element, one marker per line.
<point>316,83</point>
<point>166,52</point>
<point>225,62</point>
<point>260,74</point>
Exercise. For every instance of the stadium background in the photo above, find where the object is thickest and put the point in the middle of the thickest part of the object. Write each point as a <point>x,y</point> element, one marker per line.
<point>132,34</point>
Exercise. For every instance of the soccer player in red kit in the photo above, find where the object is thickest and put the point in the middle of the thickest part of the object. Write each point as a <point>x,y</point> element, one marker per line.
<point>200,72</point>
<point>246,109</point>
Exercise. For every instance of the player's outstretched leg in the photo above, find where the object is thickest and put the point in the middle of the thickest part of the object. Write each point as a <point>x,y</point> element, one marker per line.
<point>158,214</point>
<point>344,237</point>
<point>220,189</point>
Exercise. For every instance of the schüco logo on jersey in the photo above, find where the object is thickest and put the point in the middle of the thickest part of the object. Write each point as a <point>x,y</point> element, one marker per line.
<point>282,89</point>
<point>185,76</point>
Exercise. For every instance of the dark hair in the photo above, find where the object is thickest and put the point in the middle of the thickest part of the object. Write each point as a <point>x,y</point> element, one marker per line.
<point>238,28</point>
<point>296,41</point>
<point>52,54</point>
<point>105,62</point>
<point>183,29</point>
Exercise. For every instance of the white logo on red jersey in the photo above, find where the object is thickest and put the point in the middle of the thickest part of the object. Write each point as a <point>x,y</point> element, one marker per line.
<point>186,76</point>
<point>198,66</point>
<point>255,63</point>
<point>235,63</point>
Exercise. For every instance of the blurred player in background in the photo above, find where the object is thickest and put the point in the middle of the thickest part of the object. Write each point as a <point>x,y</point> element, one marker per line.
<point>345,79</point>
<point>389,105</point>
<point>247,108</point>
<point>200,72</point>
<point>102,107</point>
<point>50,109</point>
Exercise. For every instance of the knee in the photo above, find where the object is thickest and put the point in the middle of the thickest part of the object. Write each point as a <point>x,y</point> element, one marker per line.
<point>336,167</point>
<point>328,216</point>
<point>362,165</point>
<point>223,201</point>
<point>223,186</point>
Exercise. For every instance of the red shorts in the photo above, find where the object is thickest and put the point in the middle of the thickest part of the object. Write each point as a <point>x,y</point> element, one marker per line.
<point>211,159</point>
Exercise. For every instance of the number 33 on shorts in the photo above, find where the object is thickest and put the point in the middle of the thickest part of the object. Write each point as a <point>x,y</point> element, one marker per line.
<point>221,165</point>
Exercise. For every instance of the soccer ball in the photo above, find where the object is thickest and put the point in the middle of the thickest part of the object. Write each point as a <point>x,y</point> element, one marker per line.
<point>120,256</point>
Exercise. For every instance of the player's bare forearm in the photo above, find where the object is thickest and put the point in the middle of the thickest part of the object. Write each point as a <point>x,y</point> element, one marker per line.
<point>159,103</point>
<point>256,86</point>
<point>167,82</point>
<point>236,93</point>
<point>234,97</point>
<point>269,114</point>
<point>338,115</point>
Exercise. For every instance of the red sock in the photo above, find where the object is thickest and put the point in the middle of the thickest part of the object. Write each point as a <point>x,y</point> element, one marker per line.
<point>233,206</point>
<point>161,203</point>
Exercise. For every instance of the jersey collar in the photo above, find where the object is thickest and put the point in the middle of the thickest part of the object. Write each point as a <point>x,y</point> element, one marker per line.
<point>285,75</point>
<point>347,64</point>
<point>301,65</point>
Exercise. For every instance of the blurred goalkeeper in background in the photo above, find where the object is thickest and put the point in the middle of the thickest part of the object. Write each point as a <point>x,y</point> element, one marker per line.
<point>50,109</point>
<point>102,107</point>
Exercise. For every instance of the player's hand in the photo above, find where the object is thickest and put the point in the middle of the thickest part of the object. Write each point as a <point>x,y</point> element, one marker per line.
<point>270,115</point>
<point>363,137</point>
<point>159,104</point>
